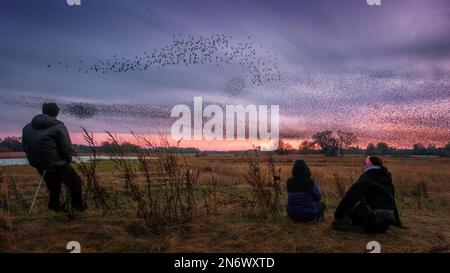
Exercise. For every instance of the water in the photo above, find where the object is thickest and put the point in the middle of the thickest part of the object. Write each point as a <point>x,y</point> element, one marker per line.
<point>13,161</point>
<point>24,161</point>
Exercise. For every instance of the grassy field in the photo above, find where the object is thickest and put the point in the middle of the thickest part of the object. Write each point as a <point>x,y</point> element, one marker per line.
<point>226,216</point>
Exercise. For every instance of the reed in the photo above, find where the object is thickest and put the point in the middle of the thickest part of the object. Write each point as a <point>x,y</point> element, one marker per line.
<point>160,183</point>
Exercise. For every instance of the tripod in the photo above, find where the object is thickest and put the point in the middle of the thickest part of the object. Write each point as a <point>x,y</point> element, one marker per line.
<point>37,191</point>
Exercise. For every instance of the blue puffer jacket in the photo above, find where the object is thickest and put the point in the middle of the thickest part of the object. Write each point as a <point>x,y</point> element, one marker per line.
<point>303,193</point>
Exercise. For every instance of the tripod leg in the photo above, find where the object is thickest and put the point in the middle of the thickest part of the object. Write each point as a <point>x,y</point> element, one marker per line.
<point>37,191</point>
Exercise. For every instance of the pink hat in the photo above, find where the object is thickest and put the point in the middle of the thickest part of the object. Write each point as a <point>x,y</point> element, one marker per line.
<point>368,162</point>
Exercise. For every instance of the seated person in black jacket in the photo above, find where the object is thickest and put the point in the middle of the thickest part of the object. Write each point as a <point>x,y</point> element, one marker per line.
<point>370,202</point>
<point>47,145</point>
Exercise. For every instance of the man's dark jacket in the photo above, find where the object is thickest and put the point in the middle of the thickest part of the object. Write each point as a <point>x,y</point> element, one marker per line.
<point>374,187</point>
<point>47,143</point>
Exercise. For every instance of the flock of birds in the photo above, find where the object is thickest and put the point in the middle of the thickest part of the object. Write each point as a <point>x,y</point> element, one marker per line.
<point>259,65</point>
<point>314,99</point>
<point>135,115</point>
<point>308,102</point>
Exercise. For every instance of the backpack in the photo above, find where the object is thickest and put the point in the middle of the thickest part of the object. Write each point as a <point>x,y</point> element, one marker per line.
<point>380,216</point>
<point>383,216</point>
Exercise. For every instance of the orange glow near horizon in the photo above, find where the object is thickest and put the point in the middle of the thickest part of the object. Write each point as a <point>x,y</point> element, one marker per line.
<point>206,145</point>
<point>229,145</point>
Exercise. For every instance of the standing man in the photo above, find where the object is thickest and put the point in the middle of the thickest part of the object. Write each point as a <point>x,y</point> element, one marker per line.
<point>47,145</point>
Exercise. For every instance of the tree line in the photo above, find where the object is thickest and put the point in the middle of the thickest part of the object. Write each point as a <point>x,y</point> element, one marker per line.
<point>342,142</point>
<point>14,144</point>
<point>324,142</point>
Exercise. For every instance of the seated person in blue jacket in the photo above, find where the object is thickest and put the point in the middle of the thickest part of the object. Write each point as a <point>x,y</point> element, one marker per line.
<point>304,195</point>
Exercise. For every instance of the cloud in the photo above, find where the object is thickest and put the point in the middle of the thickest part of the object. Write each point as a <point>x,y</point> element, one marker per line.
<point>342,63</point>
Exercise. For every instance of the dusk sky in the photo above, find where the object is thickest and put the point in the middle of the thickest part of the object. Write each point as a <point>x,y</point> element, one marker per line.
<point>382,72</point>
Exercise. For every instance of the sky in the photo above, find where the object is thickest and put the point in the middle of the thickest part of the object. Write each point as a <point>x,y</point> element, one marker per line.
<point>382,72</point>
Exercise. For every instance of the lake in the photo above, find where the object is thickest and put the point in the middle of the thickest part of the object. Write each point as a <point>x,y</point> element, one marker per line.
<point>24,161</point>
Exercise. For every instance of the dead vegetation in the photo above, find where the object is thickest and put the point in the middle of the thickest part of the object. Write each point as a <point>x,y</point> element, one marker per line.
<point>163,202</point>
<point>264,180</point>
<point>161,184</point>
<point>93,190</point>
<point>6,230</point>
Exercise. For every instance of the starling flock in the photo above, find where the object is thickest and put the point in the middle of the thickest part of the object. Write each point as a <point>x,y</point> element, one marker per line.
<point>81,110</point>
<point>375,103</point>
<point>218,49</point>
<point>235,86</point>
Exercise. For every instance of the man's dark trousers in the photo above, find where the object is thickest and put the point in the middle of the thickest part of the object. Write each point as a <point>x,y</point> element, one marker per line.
<point>67,175</point>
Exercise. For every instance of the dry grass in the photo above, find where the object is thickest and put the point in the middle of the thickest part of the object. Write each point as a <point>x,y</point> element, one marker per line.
<point>6,234</point>
<point>93,190</point>
<point>221,223</point>
<point>166,195</point>
<point>264,180</point>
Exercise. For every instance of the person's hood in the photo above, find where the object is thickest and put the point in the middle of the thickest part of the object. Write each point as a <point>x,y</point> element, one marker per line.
<point>41,122</point>
<point>381,175</point>
<point>301,169</point>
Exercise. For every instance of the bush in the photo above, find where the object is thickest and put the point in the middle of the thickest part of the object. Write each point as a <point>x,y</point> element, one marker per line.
<point>161,184</point>
<point>264,179</point>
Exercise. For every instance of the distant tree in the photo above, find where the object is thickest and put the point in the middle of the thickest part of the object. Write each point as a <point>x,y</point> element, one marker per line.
<point>126,146</point>
<point>12,143</point>
<point>105,146</point>
<point>129,147</point>
<point>327,142</point>
<point>432,150</point>
<point>283,147</point>
<point>345,140</point>
<point>382,148</point>
<point>306,146</point>
<point>418,149</point>
<point>447,149</point>
<point>371,149</point>
<point>356,150</point>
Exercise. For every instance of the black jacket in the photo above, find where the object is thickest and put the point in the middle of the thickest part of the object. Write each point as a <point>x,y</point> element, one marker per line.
<point>46,142</point>
<point>375,188</point>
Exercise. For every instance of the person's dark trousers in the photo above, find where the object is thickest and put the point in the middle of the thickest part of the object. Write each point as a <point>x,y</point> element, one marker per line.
<point>67,175</point>
<point>361,216</point>
<point>321,207</point>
